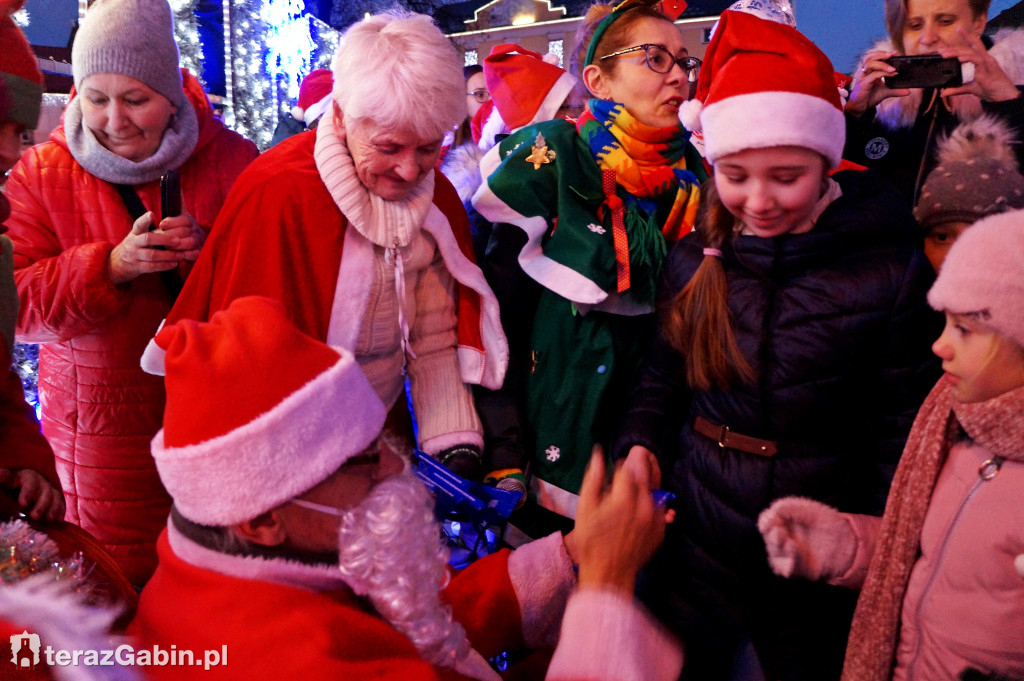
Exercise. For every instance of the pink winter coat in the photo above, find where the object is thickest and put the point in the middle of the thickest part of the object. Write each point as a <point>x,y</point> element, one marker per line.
<point>964,605</point>
<point>100,410</point>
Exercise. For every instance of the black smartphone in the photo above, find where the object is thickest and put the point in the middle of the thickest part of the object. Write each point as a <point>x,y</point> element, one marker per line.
<point>924,70</point>
<point>170,195</point>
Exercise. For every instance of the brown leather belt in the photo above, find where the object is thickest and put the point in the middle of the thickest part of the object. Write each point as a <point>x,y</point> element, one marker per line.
<point>727,438</point>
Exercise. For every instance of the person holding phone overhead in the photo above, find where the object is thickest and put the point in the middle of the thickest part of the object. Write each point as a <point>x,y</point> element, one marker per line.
<point>88,267</point>
<point>896,129</point>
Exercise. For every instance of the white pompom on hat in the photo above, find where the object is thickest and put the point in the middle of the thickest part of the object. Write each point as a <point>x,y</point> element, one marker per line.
<point>257,412</point>
<point>983,275</point>
<point>764,84</point>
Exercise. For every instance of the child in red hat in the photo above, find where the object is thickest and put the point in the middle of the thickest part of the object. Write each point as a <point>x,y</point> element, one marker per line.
<point>792,356</point>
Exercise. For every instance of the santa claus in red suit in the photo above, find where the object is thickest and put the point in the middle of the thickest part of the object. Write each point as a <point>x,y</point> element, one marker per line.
<point>300,546</point>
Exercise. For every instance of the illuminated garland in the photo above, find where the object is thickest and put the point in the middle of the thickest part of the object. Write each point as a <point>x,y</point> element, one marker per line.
<point>269,46</point>
<point>186,33</point>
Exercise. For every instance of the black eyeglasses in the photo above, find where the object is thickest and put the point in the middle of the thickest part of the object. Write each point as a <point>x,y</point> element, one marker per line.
<point>660,60</point>
<point>480,95</point>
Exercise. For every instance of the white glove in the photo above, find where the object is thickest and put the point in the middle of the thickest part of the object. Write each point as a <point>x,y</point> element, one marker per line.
<point>806,538</point>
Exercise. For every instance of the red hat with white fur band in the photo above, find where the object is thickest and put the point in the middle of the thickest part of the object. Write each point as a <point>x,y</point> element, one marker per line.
<point>21,83</point>
<point>314,96</point>
<point>525,87</point>
<point>764,84</point>
<point>240,435</point>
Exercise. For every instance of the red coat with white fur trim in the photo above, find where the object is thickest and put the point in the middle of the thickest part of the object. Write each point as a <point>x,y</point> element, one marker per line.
<point>281,235</point>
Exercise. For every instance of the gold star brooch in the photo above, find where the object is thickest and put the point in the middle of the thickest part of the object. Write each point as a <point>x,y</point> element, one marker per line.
<point>540,153</point>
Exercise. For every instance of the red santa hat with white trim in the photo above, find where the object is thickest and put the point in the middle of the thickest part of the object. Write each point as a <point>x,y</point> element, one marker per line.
<point>257,412</point>
<point>21,83</point>
<point>525,87</point>
<point>765,84</point>
<point>314,96</point>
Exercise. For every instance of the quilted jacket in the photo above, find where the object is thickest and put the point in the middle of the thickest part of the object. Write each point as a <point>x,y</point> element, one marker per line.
<point>835,324</point>
<point>100,410</point>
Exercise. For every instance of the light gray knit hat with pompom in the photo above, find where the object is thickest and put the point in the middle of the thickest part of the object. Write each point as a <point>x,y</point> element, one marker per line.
<point>134,38</point>
<point>976,176</point>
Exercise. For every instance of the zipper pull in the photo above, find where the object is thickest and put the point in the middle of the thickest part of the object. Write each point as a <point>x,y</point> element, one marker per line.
<point>990,469</point>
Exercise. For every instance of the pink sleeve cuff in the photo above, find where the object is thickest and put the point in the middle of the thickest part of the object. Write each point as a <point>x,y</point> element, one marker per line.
<point>610,637</point>
<point>865,529</point>
<point>542,576</point>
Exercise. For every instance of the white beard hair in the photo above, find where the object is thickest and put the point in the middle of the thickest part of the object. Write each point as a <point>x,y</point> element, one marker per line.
<point>391,552</point>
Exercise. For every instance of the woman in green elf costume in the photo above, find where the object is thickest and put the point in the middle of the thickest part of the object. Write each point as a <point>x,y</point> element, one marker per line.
<point>584,214</point>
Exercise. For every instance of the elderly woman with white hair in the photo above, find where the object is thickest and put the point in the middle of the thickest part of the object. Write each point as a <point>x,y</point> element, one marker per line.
<point>352,230</point>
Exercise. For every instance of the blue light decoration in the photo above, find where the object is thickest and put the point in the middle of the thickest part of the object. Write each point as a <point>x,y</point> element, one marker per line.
<point>25,362</point>
<point>472,515</point>
<point>269,46</point>
<point>289,46</point>
<point>186,34</point>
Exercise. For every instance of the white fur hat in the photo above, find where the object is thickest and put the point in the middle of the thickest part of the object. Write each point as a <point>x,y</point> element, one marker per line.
<point>244,430</point>
<point>983,275</point>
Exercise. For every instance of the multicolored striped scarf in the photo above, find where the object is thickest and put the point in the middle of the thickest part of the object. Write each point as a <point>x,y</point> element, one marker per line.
<point>649,164</point>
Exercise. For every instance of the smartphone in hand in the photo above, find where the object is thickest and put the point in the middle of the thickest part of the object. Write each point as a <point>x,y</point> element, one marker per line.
<point>170,199</point>
<point>927,70</point>
<point>170,194</point>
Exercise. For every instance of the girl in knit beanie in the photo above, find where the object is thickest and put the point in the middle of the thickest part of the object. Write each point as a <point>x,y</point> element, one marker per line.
<point>977,176</point>
<point>942,593</point>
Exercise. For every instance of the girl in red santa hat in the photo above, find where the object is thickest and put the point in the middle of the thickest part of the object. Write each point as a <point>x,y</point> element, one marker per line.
<point>792,356</point>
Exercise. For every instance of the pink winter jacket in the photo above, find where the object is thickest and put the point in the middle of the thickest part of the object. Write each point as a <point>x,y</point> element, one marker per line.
<point>99,409</point>
<point>964,605</point>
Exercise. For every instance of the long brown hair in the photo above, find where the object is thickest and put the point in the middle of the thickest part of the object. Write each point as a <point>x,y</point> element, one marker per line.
<point>614,38</point>
<point>697,322</point>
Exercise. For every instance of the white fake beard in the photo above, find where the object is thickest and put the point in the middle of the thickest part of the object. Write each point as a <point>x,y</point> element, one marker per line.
<point>393,532</point>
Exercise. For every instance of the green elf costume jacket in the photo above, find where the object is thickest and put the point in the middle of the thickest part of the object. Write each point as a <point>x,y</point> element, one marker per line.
<point>598,204</point>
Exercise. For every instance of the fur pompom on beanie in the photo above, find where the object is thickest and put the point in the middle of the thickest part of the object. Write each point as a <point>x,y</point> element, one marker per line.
<point>977,175</point>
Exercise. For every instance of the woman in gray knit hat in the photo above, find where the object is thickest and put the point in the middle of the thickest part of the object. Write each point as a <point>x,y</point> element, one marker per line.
<point>97,265</point>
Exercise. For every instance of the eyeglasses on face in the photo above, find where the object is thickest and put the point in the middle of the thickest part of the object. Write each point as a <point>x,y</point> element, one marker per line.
<point>481,95</point>
<point>659,59</point>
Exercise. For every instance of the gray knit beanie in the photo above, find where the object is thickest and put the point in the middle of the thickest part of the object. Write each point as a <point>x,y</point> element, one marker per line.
<point>134,38</point>
<point>976,176</point>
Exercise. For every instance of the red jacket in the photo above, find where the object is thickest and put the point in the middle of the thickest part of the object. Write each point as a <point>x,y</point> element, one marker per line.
<point>100,410</point>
